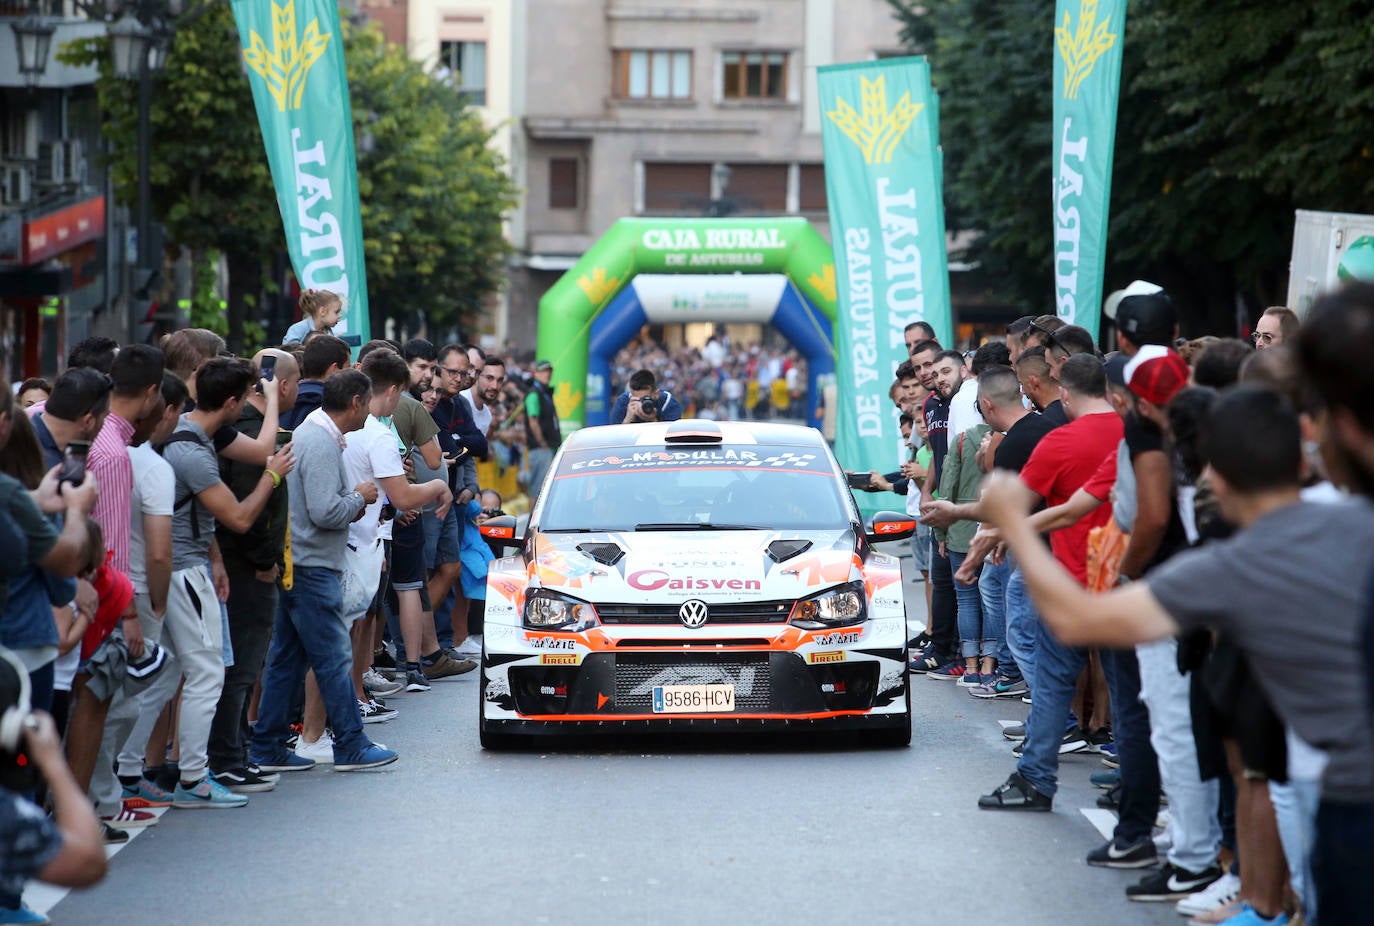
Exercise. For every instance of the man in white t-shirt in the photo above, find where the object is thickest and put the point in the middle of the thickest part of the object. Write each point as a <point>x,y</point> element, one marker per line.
<point>130,720</point>
<point>491,378</point>
<point>374,455</point>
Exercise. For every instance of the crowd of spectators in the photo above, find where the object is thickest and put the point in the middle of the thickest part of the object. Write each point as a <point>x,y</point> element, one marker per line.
<point>719,381</point>
<point>1205,506</point>
<point>218,570</point>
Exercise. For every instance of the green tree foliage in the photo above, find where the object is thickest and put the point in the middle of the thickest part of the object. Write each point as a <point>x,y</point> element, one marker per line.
<point>1233,114</point>
<point>432,192</point>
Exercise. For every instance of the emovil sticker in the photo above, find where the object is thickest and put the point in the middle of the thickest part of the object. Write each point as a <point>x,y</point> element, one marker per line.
<point>736,298</point>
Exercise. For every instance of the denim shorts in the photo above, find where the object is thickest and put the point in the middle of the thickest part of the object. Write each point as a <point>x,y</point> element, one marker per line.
<point>442,538</point>
<point>921,542</point>
<point>408,555</point>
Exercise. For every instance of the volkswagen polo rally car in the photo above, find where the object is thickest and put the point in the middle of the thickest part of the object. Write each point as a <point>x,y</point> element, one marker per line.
<point>695,575</point>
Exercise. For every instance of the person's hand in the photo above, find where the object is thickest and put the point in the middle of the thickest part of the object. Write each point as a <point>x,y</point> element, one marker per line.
<point>268,575</point>
<point>270,393</point>
<point>938,513</point>
<point>133,636</point>
<point>464,497</point>
<point>80,498</point>
<point>944,554</point>
<point>1005,498</point>
<point>48,495</point>
<point>87,599</point>
<point>41,741</point>
<point>913,470</point>
<point>408,464</point>
<point>445,502</point>
<point>878,483</point>
<point>368,490</point>
<point>407,517</point>
<point>221,579</point>
<point>998,554</point>
<point>283,461</point>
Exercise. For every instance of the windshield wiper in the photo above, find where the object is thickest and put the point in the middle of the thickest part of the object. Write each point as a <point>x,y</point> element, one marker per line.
<point>579,530</point>
<point>694,526</point>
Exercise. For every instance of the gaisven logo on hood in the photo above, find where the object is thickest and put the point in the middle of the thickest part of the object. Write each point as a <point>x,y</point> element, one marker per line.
<point>651,580</point>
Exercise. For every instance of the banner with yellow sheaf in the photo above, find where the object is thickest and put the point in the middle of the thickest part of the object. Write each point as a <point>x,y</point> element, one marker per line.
<point>880,134</point>
<point>294,52</point>
<point>1088,36</point>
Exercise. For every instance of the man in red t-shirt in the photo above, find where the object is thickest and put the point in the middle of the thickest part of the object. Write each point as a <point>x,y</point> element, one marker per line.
<point>1061,464</point>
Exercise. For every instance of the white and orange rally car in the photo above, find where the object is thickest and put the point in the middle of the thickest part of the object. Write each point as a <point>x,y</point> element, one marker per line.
<point>695,575</point>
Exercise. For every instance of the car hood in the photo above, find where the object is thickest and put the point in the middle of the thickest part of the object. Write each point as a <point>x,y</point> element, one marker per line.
<point>673,566</point>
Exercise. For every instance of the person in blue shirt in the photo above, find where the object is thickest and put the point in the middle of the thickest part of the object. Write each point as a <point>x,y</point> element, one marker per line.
<point>631,406</point>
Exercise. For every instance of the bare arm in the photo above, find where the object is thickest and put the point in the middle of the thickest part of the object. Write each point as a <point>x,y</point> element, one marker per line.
<point>1079,506</point>
<point>81,860</point>
<point>404,495</point>
<point>1154,483</point>
<point>244,449</point>
<point>157,544</point>
<point>431,453</point>
<point>67,555</point>
<point>1120,618</point>
<point>238,516</point>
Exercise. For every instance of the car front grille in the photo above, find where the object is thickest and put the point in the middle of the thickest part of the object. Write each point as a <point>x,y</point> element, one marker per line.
<point>637,674</point>
<point>721,612</point>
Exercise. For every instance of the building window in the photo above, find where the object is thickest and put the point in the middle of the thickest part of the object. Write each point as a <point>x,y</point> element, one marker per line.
<point>653,75</point>
<point>811,188</point>
<point>466,65</point>
<point>564,183</point>
<point>757,188</point>
<point>754,75</point>
<point>677,188</point>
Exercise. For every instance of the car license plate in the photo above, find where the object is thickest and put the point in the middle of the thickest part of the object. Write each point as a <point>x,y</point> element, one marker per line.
<point>694,699</point>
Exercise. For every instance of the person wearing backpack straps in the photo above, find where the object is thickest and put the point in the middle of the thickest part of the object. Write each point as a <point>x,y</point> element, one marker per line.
<point>193,630</point>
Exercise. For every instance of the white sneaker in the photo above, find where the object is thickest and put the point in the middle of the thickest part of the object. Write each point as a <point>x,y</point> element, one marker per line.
<point>379,685</point>
<point>472,646</point>
<point>322,750</point>
<point>1218,894</point>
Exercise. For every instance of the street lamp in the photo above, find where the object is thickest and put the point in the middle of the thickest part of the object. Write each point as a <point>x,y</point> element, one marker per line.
<point>129,41</point>
<point>33,41</point>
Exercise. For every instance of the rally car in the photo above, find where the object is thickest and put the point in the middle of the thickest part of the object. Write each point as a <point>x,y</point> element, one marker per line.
<point>695,575</point>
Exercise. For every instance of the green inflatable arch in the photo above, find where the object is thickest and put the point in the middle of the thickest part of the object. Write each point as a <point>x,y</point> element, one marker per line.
<point>790,246</point>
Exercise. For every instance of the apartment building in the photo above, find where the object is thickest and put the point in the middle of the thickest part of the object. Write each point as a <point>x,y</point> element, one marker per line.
<point>612,108</point>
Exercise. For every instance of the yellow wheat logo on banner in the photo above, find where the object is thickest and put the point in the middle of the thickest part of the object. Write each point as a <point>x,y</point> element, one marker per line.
<point>824,282</point>
<point>597,287</point>
<point>285,67</point>
<point>879,129</point>
<point>1081,48</point>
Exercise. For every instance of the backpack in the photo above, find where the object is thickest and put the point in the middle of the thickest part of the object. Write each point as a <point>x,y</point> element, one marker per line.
<point>179,437</point>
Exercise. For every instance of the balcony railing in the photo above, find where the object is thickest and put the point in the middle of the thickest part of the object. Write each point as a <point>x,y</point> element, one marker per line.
<point>20,8</point>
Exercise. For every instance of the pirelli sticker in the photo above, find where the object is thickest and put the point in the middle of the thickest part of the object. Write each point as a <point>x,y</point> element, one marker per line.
<point>825,657</point>
<point>559,659</point>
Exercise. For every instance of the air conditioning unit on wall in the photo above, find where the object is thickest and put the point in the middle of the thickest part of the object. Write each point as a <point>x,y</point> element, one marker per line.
<point>52,162</point>
<point>74,159</point>
<point>17,184</point>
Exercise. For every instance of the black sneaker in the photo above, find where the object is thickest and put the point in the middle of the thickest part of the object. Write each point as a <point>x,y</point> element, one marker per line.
<point>1016,731</point>
<point>1016,793</point>
<point>1111,800</point>
<point>416,681</point>
<point>1019,749</point>
<point>1096,739</point>
<point>1075,740</point>
<point>242,781</point>
<point>927,660</point>
<point>111,835</point>
<point>382,659</point>
<point>1116,854</point>
<point>1172,883</point>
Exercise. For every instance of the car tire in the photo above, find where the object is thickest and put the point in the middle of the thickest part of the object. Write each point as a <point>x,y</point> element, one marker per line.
<point>898,736</point>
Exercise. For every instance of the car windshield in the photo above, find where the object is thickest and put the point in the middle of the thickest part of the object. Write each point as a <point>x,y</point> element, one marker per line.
<point>698,488</point>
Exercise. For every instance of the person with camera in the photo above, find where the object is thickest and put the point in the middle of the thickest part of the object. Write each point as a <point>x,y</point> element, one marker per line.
<point>643,401</point>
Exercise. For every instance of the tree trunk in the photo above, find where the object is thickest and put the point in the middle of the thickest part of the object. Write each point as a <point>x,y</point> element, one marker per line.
<point>245,282</point>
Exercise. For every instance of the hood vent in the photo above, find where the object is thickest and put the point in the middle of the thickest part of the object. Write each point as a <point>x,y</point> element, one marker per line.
<point>608,554</point>
<point>780,550</point>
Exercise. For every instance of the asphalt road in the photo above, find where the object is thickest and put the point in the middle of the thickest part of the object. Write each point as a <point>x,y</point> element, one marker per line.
<point>662,832</point>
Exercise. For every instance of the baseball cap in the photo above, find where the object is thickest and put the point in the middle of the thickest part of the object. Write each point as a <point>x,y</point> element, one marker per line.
<point>1116,369</point>
<point>1145,314</point>
<point>543,365</point>
<point>1156,374</point>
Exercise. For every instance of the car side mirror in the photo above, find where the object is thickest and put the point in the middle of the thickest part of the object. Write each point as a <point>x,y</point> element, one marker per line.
<point>500,529</point>
<point>889,525</point>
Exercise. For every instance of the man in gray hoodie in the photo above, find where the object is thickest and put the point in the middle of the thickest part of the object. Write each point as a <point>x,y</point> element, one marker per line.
<point>311,629</point>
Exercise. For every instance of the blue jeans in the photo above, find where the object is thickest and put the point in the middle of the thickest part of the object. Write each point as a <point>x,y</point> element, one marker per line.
<point>309,633</point>
<point>992,585</point>
<point>1342,859</point>
<point>1139,766</point>
<point>974,639</point>
<point>1023,625</point>
<point>1057,668</point>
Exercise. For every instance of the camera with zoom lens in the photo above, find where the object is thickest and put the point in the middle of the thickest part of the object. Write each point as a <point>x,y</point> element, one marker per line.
<point>649,405</point>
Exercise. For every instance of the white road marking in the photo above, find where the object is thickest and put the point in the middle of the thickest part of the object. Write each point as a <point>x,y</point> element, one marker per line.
<point>1103,820</point>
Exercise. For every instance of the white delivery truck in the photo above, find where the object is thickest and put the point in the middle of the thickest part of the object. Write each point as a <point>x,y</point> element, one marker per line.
<point>1328,248</point>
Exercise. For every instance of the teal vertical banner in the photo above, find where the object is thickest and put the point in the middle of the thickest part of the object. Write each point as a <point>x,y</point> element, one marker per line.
<point>1088,35</point>
<point>882,177</point>
<point>294,51</point>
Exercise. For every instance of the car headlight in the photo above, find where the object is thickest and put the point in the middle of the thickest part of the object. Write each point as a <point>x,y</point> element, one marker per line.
<point>834,608</point>
<point>548,610</point>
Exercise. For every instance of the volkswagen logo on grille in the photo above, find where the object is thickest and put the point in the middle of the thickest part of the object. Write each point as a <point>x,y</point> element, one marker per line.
<point>692,613</point>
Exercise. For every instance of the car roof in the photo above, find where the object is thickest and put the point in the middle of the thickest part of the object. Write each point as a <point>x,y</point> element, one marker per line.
<point>654,434</point>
